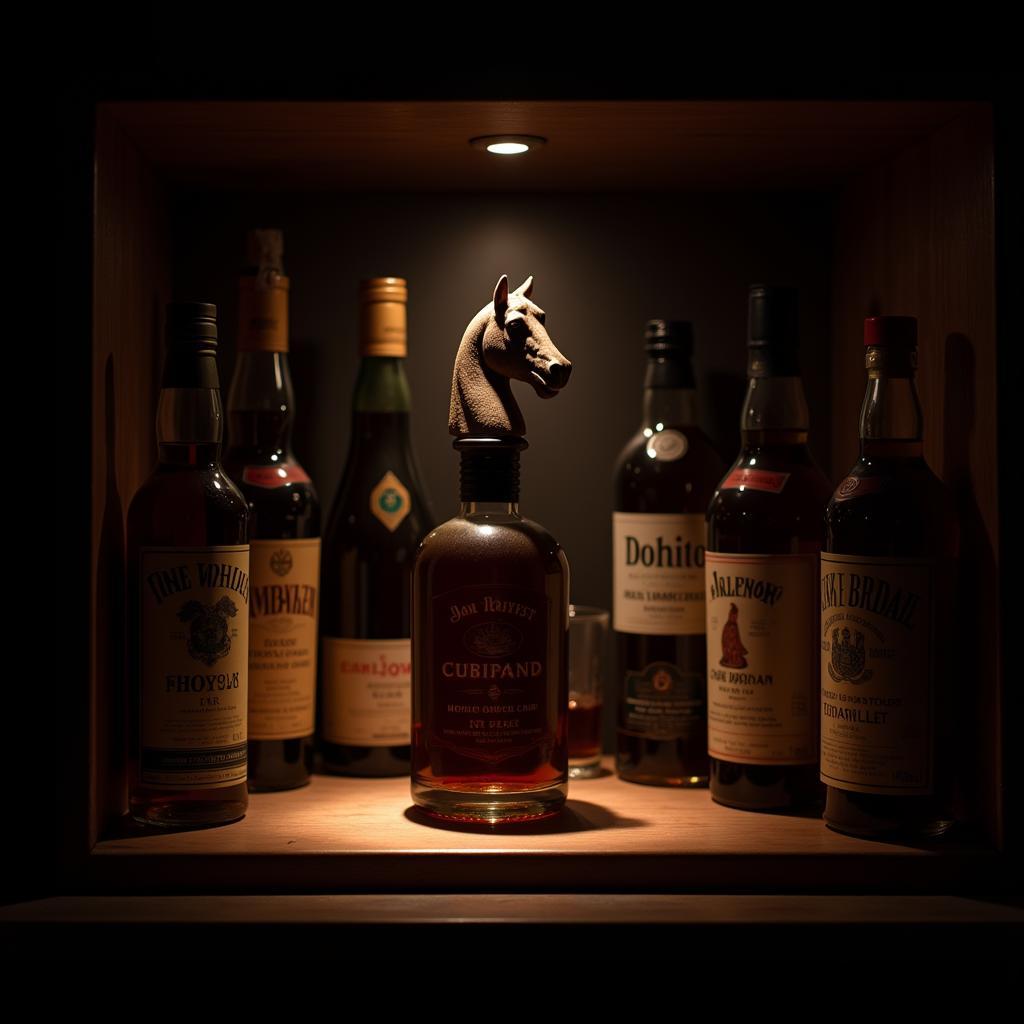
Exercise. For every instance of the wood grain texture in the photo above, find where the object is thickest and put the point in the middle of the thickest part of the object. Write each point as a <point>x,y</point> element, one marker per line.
<point>359,834</point>
<point>915,235</point>
<point>131,283</point>
<point>593,146</point>
<point>503,908</point>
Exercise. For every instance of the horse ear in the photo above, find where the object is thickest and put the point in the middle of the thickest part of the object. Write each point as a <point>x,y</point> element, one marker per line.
<point>526,288</point>
<point>501,297</point>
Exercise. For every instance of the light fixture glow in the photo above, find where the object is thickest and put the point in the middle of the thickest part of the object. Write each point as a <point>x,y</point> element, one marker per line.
<point>507,145</point>
<point>508,148</point>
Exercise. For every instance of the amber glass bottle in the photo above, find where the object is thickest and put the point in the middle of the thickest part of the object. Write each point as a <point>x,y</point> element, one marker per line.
<point>663,481</point>
<point>764,537</point>
<point>377,521</point>
<point>490,635</point>
<point>886,579</point>
<point>188,586</point>
<point>284,528</point>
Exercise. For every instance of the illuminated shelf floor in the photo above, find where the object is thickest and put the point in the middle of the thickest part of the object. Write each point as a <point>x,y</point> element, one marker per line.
<point>364,835</point>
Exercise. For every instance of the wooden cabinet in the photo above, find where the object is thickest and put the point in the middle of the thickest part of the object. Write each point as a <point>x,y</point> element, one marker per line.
<point>633,209</point>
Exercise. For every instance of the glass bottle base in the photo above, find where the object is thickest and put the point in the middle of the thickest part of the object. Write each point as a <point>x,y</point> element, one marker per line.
<point>498,804</point>
<point>174,812</point>
<point>765,787</point>
<point>869,816</point>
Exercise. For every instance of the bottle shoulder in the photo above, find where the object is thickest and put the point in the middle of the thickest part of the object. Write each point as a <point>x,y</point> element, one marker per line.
<point>673,471</point>
<point>497,538</point>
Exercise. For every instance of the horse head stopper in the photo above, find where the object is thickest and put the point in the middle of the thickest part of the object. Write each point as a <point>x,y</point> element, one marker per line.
<point>505,341</point>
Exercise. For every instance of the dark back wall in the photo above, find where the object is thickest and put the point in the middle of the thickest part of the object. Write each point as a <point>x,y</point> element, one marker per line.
<point>603,264</point>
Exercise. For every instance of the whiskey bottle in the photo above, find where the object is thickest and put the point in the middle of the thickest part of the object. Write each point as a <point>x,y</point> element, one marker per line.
<point>377,521</point>
<point>284,528</point>
<point>491,598</point>
<point>764,538</point>
<point>886,575</point>
<point>664,480</point>
<point>188,572</point>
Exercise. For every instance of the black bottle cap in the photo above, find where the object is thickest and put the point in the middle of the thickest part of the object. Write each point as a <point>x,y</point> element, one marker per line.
<point>191,359</point>
<point>190,323</point>
<point>773,331</point>
<point>489,468</point>
<point>669,337</point>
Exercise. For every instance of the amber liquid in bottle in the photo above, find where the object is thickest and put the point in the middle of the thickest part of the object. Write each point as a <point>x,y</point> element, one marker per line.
<point>376,523</point>
<point>891,523</point>
<point>490,638</point>
<point>764,525</point>
<point>284,529</point>
<point>187,633</point>
<point>663,482</point>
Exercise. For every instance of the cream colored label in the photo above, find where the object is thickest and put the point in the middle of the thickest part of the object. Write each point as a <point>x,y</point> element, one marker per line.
<point>762,658</point>
<point>282,638</point>
<point>658,574</point>
<point>367,691</point>
<point>194,618</point>
<point>876,674</point>
<point>389,501</point>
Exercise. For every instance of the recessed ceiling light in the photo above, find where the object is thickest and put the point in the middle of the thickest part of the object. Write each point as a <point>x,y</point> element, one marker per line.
<point>507,145</point>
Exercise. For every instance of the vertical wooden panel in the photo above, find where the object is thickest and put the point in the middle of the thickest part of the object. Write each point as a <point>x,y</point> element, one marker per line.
<point>916,236</point>
<point>131,283</point>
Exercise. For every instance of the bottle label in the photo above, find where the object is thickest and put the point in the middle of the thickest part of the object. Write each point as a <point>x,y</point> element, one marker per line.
<point>495,689</point>
<point>389,501</point>
<point>762,658</point>
<point>275,476</point>
<point>194,661</point>
<point>876,674</point>
<point>367,691</point>
<point>664,702</point>
<point>754,480</point>
<point>282,638</point>
<point>658,574</point>
<point>857,487</point>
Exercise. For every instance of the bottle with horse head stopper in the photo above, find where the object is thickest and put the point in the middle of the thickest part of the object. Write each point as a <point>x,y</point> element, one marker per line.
<point>491,597</point>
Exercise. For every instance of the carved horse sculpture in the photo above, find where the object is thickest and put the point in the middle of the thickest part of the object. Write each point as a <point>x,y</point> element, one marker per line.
<point>505,341</point>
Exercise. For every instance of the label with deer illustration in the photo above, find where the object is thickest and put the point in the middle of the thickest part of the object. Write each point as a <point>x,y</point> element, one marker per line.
<point>493,684</point>
<point>282,638</point>
<point>876,673</point>
<point>658,573</point>
<point>762,658</point>
<point>194,666</point>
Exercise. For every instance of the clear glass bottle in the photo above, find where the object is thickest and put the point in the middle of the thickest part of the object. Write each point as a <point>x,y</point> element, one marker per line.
<point>490,638</point>
<point>663,481</point>
<point>284,527</point>
<point>188,573</point>
<point>379,516</point>
<point>886,595</point>
<point>764,536</point>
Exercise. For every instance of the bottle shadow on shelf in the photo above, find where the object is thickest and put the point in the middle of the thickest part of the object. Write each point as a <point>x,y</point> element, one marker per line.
<point>576,816</point>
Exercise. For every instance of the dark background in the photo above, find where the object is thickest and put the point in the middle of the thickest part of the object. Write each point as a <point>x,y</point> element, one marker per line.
<point>602,265</point>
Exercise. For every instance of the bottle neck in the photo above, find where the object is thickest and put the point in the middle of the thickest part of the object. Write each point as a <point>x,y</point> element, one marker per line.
<point>381,386</point>
<point>774,412</point>
<point>490,508</point>
<point>189,426</point>
<point>261,402</point>
<point>891,421</point>
<point>670,396</point>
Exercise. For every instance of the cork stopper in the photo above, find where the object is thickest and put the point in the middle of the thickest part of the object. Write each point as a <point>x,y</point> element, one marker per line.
<point>382,317</point>
<point>263,294</point>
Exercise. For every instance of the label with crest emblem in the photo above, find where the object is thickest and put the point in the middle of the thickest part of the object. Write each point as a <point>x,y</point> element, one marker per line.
<point>491,668</point>
<point>194,647</point>
<point>876,672</point>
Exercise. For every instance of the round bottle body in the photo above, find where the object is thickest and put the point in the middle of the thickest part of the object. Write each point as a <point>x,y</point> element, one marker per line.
<point>490,665</point>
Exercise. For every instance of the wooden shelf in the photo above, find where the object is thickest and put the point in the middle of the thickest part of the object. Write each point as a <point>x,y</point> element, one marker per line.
<point>593,145</point>
<point>343,834</point>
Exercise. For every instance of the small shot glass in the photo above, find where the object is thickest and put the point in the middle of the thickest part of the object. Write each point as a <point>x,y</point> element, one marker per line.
<point>587,629</point>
